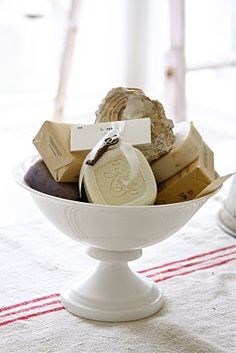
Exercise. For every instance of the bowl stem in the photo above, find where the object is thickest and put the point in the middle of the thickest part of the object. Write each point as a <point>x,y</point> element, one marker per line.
<point>112,291</point>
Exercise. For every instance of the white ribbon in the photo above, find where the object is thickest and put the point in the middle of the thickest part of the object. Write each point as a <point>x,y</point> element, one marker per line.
<point>125,147</point>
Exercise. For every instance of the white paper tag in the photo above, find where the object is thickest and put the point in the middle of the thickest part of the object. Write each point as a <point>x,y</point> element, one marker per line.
<point>85,137</point>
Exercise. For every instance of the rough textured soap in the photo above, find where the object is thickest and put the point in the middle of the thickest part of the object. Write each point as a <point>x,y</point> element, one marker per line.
<point>107,182</point>
<point>186,148</point>
<point>124,103</point>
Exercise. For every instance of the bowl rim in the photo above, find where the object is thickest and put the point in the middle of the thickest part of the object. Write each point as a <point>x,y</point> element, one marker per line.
<point>21,182</point>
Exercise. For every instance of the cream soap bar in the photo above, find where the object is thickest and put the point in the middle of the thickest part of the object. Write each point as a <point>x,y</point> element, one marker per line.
<point>107,182</point>
<point>185,150</point>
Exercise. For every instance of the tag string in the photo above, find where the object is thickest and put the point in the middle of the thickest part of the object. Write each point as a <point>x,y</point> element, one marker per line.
<point>125,147</point>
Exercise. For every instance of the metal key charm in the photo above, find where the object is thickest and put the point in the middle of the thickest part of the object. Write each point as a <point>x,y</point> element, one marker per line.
<point>109,141</point>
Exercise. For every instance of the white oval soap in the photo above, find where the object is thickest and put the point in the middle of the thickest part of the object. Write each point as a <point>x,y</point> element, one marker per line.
<point>186,148</point>
<point>107,181</point>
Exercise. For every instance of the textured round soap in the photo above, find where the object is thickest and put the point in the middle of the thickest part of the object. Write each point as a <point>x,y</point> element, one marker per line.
<point>109,180</point>
<point>39,178</point>
<point>125,103</point>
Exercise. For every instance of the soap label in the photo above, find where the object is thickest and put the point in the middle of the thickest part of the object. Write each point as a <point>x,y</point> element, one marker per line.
<point>85,137</point>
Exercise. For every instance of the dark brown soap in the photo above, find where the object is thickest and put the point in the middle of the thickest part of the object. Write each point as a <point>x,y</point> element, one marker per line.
<point>39,178</point>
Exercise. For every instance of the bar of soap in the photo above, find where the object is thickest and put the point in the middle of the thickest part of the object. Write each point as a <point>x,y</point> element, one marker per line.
<point>106,181</point>
<point>39,178</point>
<point>189,182</point>
<point>52,142</point>
<point>186,148</point>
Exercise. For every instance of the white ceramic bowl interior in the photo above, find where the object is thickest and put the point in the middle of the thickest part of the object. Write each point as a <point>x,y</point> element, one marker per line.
<point>111,227</point>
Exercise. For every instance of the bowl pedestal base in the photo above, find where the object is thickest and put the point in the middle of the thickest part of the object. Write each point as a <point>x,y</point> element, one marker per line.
<point>112,291</point>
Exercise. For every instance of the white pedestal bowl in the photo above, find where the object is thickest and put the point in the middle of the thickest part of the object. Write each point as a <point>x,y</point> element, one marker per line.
<point>114,235</point>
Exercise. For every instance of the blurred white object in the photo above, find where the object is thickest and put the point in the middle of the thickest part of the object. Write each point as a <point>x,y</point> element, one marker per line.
<point>227,214</point>
<point>27,60</point>
<point>67,60</point>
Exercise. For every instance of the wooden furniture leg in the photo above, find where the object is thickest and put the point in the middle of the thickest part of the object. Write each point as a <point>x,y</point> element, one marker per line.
<point>175,71</point>
<point>66,61</point>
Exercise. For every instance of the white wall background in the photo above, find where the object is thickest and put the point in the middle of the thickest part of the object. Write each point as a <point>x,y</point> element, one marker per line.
<point>119,42</point>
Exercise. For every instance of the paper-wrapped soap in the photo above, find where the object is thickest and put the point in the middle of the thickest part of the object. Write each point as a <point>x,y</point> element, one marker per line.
<point>108,180</point>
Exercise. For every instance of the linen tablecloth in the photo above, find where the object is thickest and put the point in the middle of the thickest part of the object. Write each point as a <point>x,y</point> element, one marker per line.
<point>195,268</point>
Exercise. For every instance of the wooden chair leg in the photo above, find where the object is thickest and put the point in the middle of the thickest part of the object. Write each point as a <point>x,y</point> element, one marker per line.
<point>175,71</point>
<point>66,61</point>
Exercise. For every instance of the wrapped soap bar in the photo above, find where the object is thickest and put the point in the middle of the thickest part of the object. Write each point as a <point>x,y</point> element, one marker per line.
<point>108,180</point>
<point>53,144</point>
<point>189,182</point>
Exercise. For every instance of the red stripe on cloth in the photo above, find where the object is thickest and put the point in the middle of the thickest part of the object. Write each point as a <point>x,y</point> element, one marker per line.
<point>188,258</point>
<point>141,271</point>
<point>29,302</point>
<point>26,317</point>
<point>30,308</point>
<point>191,264</point>
<point>196,269</point>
